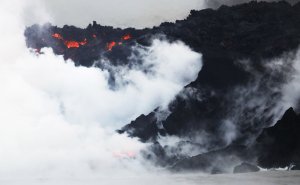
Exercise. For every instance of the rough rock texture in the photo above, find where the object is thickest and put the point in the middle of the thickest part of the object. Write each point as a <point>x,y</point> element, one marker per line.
<point>254,31</point>
<point>277,146</point>
<point>280,144</point>
<point>138,127</point>
<point>219,161</point>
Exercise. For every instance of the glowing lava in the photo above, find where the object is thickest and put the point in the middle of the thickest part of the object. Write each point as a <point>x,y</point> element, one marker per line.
<point>126,37</point>
<point>75,44</point>
<point>57,36</point>
<point>70,43</point>
<point>111,45</point>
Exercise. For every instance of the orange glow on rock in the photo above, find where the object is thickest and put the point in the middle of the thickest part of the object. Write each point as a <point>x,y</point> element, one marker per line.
<point>84,42</point>
<point>57,36</point>
<point>126,37</point>
<point>72,44</point>
<point>111,45</point>
<point>75,44</point>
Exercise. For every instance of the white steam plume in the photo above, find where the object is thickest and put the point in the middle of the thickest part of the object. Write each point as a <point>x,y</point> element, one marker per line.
<point>257,104</point>
<point>59,120</point>
<point>291,91</point>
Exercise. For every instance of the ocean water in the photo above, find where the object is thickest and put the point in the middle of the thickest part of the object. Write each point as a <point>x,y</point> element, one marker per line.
<point>258,178</point>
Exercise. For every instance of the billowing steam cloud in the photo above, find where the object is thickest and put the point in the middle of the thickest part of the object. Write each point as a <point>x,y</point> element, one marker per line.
<point>120,13</point>
<point>59,120</point>
<point>291,90</point>
<point>254,105</point>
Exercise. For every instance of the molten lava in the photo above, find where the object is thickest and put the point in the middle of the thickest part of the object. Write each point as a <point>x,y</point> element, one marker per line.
<point>72,44</point>
<point>57,36</point>
<point>126,37</point>
<point>111,45</point>
<point>75,44</point>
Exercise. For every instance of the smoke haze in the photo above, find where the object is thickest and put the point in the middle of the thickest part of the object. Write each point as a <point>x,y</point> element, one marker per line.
<point>60,120</point>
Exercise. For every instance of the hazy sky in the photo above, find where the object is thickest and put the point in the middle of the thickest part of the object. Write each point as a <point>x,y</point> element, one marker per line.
<point>120,13</point>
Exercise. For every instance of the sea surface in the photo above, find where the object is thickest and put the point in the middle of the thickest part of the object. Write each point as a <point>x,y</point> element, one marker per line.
<point>258,178</point>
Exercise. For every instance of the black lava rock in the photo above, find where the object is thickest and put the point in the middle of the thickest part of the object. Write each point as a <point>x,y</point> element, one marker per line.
<point>279,145</point>
<point>295,167</point>
<point>219,161</point>
<point>257,32</point>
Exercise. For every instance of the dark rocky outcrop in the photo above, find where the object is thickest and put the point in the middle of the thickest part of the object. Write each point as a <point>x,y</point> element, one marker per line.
<point>143,128</point>
<point>279,145</point>
<point>295,167</point>
<point>219,161</point>
<point>257,32</point>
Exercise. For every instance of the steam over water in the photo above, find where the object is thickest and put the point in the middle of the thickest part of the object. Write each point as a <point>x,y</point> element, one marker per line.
<point>261,178</point>
<point>58,120</point>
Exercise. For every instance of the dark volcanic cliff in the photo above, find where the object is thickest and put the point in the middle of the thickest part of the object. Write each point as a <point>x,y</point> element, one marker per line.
<point>277,146</point>
<point>255,32</point>
<point>236,90</point>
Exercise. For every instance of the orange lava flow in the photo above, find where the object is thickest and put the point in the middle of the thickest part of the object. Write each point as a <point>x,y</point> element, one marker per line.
<point>75,44</point>
<point>111,45</point>
<point>72,44</point>
<point>57,36</point>
<point>126,37</point>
